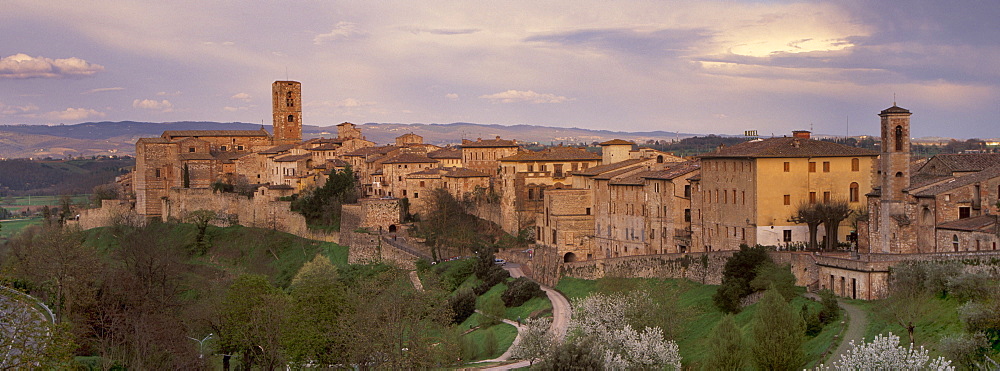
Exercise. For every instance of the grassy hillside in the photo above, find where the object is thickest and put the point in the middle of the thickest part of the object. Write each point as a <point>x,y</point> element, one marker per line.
<point>701,315</point>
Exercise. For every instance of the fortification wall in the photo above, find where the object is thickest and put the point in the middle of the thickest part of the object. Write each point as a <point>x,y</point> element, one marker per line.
<point>111,212</point>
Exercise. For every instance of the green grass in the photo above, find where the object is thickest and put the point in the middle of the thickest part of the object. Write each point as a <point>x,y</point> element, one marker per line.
<point>695,300</point>
<point>504,333</point>
<point>11,227</point>
<point>940,319</point>
<point>45,200</point>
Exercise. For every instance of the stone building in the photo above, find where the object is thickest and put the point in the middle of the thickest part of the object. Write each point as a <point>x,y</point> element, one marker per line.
<point>484,155</point>
<point>459,182</point>
<point>286,108</point>
<point>747,193</point>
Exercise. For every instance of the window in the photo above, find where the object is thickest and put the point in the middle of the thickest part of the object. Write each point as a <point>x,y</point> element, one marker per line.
<point>222,148</point>
<point>855,164</point>
<point>826,197</point>
<point>404,193</point>
<point>531,168</point>
<point>899,138</point>
<point>687,215</point>
<point>812,167</point>
<point>291,118</point>
<point>421,183</point>
<point>574,167</point>
<point>734,196</point>
<point>812,197</point>
<point>954,242</point>
<point>786,235</point>
<point>826,166</point>
<point>725,196</point>
<point>964,212</point>
<point>157,173</point>
<point>531,194</point>
<point>744,194</point>
<point>239,148</point>
<point>416,195</point>
<point>687,190</point>
<point>191,149</point>
<point>788,166</point>
<point>788,199</point>
<point>855,194</point>
<point>541,193</point>
<point>588,212</point>
<point>542,167</point>
<point>585,165</point>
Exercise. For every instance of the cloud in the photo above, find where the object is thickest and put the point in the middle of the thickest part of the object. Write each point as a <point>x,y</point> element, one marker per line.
<point>451,96</point>
<point>341,31</point>
<point>234,109</point>
<point>440,31</point>
<point>518,96</point>
<point>23,66</point>
<point>102,90</point>
<point>164,93</point>
<point>72,114</point>
<point>153,105</point>
<point>17,110</point>
<point>242,96</point>
<point>344,103</point>
<point>660,42</point>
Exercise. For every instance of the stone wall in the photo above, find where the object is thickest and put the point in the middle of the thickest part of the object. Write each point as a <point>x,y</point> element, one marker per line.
<point>699,267</point>
<point>111,212</point>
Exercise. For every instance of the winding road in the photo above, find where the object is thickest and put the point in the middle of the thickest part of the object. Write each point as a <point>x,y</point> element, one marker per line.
<point>561,314</point>
<point>856,326</point>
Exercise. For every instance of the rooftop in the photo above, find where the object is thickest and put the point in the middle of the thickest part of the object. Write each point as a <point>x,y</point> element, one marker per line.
<point>617,142</point>
<point>215,133</point>
<point>554,154</point>
<point>489,143</point>
<point>788,147</point>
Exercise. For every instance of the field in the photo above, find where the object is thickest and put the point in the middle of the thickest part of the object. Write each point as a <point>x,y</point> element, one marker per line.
<point>34,203</point>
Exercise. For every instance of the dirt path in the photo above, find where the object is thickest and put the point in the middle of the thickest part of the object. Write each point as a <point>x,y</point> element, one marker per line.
<point>856,326</point>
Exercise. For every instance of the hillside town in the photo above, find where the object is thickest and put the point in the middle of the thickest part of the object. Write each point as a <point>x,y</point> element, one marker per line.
<point>582,207</point>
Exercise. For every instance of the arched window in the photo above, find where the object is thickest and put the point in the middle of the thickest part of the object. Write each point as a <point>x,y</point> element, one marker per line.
<point>855,192</point>
<point>855,164</point>
<point>899,138</point>
<point>954,241</point>
<point>899,174</point>
<point>291,118</point>
<point>659,159</point>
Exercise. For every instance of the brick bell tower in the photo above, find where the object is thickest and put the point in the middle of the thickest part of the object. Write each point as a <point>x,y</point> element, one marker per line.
<point>286,98</point>
<point>894,173</point>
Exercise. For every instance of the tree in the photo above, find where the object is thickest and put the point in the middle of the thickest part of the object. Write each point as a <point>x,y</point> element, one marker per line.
<point>833,213</point>
<point>58,263</point>
<point>807,213</point>
<point>250,321</point>
<point>493,311</point>
<point>599,317</point>
<point>322,206</point>
<point>201,218</point>
<point>109,191</point>
<point>536,340</point>
<point>29,341</point>
<point>776,334</point>
<point>520,290</point>
<point>907,296</point>
<point>65,209</point>
<point>463,304</point>
<point>885,353</point>
<point>573,354</point>
<point>737,274</point>
<point>726,346</point>
<point>779,277</point>
<point>447,223</point>
<point>313,331</point>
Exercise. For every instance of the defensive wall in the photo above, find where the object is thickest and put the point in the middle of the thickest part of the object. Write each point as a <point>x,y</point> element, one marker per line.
<point>371,229</point>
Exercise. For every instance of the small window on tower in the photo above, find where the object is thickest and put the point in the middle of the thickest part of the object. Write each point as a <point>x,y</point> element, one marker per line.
<point>291,118</point>
<point>222,148</point>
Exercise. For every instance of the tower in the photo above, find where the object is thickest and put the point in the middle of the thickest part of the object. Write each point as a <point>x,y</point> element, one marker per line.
<point>894,174</point>
<point>287,109</point>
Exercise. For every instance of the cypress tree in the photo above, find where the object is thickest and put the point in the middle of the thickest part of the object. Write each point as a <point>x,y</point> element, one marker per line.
<point>776,334</point>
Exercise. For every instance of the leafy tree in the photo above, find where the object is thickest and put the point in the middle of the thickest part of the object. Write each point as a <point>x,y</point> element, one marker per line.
<point>520,290</point>
<point>831,309</point>
<point>598,317</point>
<point>737,274</point>
<point>251,319</point>
<point>493,311</point>
<point>313,331</point>
<point>574,354</point>
<point>447,223</point>
<point>108,191</point>
<point>463,304</point>
<point>885,353</point>
<point>322,206</point>
<point>65,209</point>
<point>536,340</point>
<point>967,350</point>
<point>201,219</point>
<point>808,213</point>
<point>727,349</point>
<point>776,334</point>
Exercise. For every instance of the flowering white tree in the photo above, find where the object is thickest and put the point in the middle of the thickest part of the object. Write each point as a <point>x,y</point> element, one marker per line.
<point>885,353</point>
<point>602,317</point>
<point>536,340</point>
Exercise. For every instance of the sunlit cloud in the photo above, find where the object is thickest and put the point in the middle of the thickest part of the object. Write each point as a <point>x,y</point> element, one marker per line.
<point>17,110</point>
<point>241,96</point>
<point>518,96</point>
<point>72,114</point>
<point>23,66</point>
<point>341,31</point>
<point>168,94</point>
<point>153,105</point>
<point>451,96</point>
<point>102,90</point>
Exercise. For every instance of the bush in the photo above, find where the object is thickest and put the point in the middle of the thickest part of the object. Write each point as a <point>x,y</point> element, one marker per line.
<point>463,304</point>
<point>493,310</point>
<point>969,286</point>
<point>740,270</point>
<point>966,349</point>
<point>520,291</point>
<point>454,273</point>
<point>490,344</point>
<point>576,354</point>
<point>831,310</point>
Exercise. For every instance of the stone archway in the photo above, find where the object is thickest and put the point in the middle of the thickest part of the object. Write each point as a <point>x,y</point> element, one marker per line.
<point>392,228</point>
<point>570,257</point>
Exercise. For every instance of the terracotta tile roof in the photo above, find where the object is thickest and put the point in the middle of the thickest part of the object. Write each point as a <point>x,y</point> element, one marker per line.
<point>336,162</point>
<point>982,223</point>
<point>967,162</point>
<point>279,186</point>
<point>409,158</point>
<point>895,109</point>
<point>292,158</point>
<point>618,173</point>
<point>489,143</point>
<point>617,142</point>
<point>215,133</point>
<point>462,172</point>
<point>633,180</point>
<point>788,147</point>
<point>277,149</point>
<point>959,181</point>
<point>608,167</point>
<point>674,171</point>
<point>447,152</point>
<point>228,157</point>
<point>344,123</point>
<point>554,154</point>
<point>427,172</point>
<point>153,140</point>
<point>325,147</point>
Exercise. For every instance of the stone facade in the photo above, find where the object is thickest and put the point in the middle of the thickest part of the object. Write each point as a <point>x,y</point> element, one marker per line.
<point>286,108</point>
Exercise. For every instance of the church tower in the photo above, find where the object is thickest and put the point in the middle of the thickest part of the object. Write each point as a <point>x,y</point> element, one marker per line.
<point>894,174</point>
<point>287,109</point>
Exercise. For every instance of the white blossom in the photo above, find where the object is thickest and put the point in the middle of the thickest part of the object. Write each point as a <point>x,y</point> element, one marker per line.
<point>603,318</point>
<point>885,353</point>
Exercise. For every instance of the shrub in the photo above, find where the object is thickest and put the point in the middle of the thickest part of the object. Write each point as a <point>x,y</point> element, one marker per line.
<point>831,310</point>
<point>493,311</point>
<point>463,304</point>
<point>740,270</point>
<point>521,290</point>
<point>490,344</point>
<point>969,286</point>
<point>966,349</point>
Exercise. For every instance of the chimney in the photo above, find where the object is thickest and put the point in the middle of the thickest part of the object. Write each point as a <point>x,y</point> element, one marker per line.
<point>804,134</point>
<point>795,141</point>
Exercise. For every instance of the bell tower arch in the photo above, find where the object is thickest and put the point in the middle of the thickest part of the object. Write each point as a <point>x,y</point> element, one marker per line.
<point>286,99</point>
<point>893,176</point>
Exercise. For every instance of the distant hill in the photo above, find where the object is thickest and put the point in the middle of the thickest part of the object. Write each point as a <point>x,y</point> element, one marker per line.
<point>118,138</point>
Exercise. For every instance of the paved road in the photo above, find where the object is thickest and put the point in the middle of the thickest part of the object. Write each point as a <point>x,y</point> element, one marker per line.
<point>561,314</point>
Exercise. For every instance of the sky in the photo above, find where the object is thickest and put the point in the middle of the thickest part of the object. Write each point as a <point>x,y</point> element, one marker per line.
<point>680,66</point>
